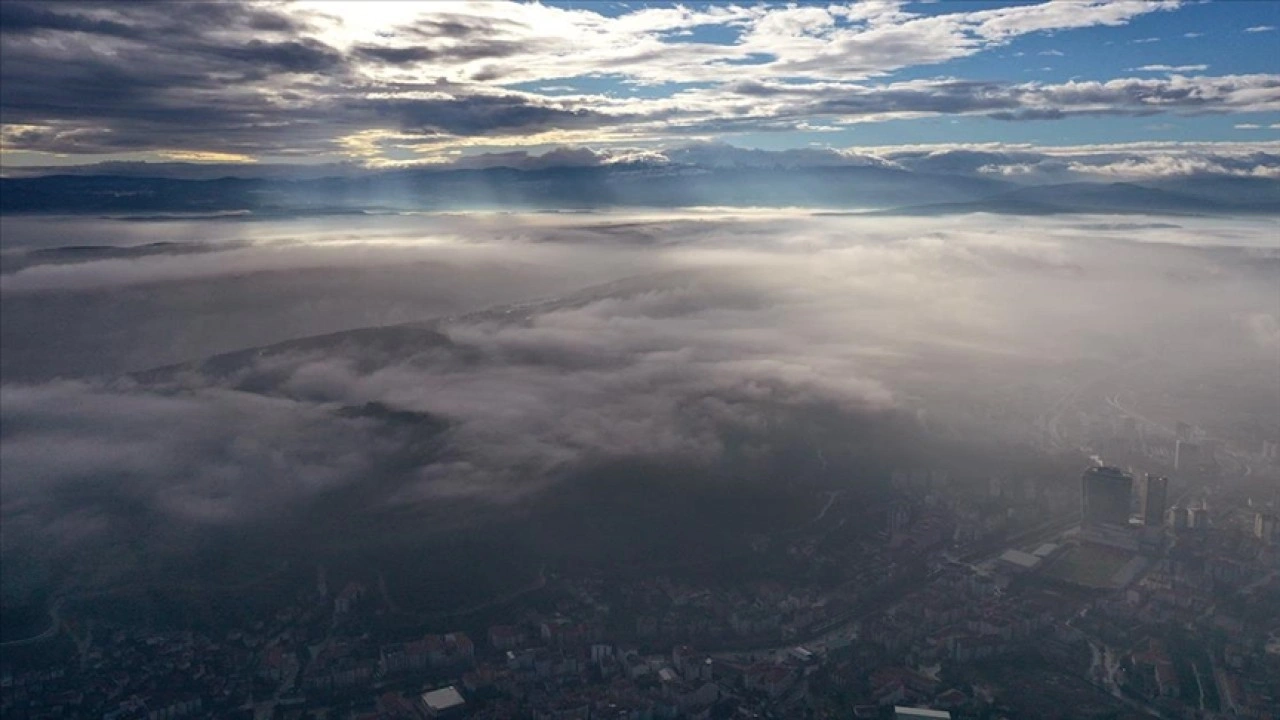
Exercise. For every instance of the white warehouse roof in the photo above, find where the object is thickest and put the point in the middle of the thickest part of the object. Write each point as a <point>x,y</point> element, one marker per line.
<point>446,698</point>
<point>910,713</point>
<point>1021,559</point>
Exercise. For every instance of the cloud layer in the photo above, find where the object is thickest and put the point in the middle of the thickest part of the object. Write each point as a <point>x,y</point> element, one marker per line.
<point>756,335</point>
<point>389,82</point>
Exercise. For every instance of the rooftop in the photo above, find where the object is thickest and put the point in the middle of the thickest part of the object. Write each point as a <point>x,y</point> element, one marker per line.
<point>910,713</point>
<point>1020,558</point>
<point>1046,550</point>
<point>1108,471</point>
<point>446,698</point>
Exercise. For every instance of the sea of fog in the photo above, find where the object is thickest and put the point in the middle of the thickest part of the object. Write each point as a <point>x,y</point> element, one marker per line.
<point>100,296</point>
<point>495,359</point>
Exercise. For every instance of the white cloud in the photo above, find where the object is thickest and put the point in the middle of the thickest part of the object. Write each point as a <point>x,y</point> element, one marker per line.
<point>421,82</point>
<point>1121,161</point>
<point>1170,68</point>
<point>746,102</point>
<point>1260,28</point>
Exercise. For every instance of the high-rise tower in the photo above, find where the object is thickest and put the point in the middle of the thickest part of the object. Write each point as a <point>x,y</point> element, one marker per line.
<point>1153,495</point>
<point>1105,494</point>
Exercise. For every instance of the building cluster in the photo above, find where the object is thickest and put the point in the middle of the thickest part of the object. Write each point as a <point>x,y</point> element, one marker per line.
<point>972,599</point>
<point>963,615</point>
<point>668,611</point>
<point>127,673</point>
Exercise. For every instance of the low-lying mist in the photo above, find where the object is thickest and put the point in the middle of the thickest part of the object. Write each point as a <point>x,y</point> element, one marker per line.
<point>469,367</point>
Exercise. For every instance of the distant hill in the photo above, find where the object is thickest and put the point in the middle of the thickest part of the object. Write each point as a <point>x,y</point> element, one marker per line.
<point>654,185</point>
<point>1260,191</point>
<point>1169,197</point>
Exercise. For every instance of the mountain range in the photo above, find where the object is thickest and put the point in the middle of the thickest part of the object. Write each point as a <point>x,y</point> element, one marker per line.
<point>632,184</point>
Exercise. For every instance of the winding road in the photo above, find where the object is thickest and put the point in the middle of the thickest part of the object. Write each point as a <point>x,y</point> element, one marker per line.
<point>55,626</point>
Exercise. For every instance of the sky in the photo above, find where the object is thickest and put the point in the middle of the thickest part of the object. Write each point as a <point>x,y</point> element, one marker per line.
<point>392,83</point>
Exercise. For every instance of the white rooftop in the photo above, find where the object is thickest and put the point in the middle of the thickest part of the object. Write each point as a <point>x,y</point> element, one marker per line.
<point>910,713</point>
<point>446,698</point>
<point>1023,559</point>
<point>1046,550</point>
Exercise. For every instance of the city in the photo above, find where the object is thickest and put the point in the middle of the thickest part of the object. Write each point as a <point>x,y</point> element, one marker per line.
<point>1125,594</point>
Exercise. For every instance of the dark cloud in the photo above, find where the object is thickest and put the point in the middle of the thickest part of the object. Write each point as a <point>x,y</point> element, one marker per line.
<point>462,28</point>
<point>211,83</point>
<point>149,21</point>
<point>1007,101</point>
<point>408,55</point>
<point>941,97</point>
<point>295,56</point>
<point>397,55</point>
<point>1038,114</point>
<point>205,78</point>
<point>21,18</point>
<point>484,114</point>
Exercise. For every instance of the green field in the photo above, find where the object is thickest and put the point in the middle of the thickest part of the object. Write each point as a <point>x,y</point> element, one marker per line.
<point>1088,565</point>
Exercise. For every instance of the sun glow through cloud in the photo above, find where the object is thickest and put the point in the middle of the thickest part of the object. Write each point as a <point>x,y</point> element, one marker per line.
<point>394,83</point>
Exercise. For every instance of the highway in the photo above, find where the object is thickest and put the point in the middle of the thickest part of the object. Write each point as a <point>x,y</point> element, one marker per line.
<point>890,594</point>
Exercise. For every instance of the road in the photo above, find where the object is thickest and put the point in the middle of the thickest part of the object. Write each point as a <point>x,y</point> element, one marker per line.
<point>830,501</point>
<point>1052,418</point>
<point>1114,401</point>
<point>534,586</point>
<point>1104,668</point>
<point>1244,469</point>
<point>890,594</point>
<point>55,625</point>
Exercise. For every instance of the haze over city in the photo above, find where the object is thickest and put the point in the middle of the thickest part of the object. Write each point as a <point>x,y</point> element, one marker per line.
<point>595,360</point>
